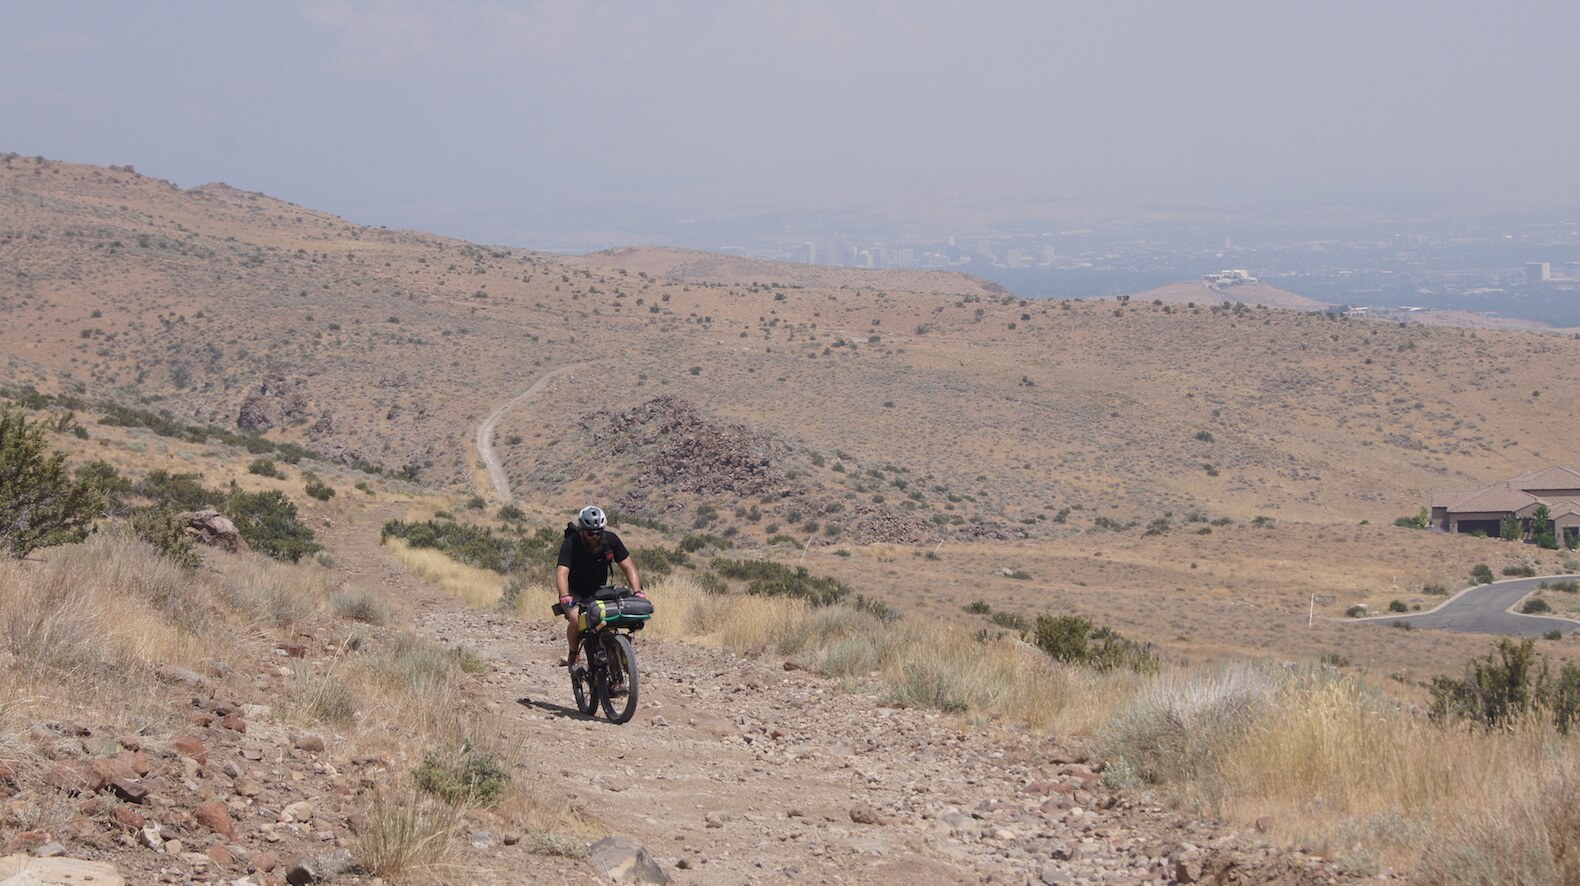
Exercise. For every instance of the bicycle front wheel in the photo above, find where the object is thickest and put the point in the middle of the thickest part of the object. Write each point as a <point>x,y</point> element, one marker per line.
<point>622,663</point>
<point>582,684</point>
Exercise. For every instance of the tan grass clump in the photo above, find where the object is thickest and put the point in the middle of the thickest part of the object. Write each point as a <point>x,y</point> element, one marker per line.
<point>109,604</point>
<point>925,664</point>
<point>269,591</point>
<point>477,587</point>
<point>408,832</point>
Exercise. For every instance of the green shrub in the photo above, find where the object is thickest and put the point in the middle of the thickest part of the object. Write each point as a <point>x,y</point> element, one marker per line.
<point>1421,520</point>
<point>178,492</point>
<point>474,778</point>
<point>1011,620</point>
<point>1074,639</point>
<point>1535,605</point>
<point>1356,611</point>
<point>978,607</point>
<point>697,541</point>
<point>657,561</point>
<point>268,521</point>
<point>265,467</point>
<point>478,546</point>
<point>1519,571</point>
<point>1506,684</point>
<point>317,488</point>
<point>768,578</point>
<point>108,482</point>
<point>40,504</point>
<point>161,529</point>
<point>511,513</point>
<point>1435,591</point>
<point>1398,606</point>
<point>1566,585</point>
<point>1481,574</point>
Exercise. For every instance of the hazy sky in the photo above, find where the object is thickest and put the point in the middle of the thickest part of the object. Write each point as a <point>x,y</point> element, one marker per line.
<point>499,121</point>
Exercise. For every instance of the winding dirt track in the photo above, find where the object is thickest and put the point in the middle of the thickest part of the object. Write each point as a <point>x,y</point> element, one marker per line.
<point>485,432</point>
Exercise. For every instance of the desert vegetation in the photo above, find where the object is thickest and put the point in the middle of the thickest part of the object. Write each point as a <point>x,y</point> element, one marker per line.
<point>1154,560</point>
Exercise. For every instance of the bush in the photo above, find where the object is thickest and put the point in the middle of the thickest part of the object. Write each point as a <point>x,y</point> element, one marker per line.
<point>1481,574</point>
<point>161,529</point>
<point>478,546</point>
<point>1012,620</point>
<point>1519,571</point>
<point>767,578</point>
<point>363,606</point>
<point>1398,606</point>
<point>657,562</point>
<point>1435,591</point>
<point>1074,639</point>
<point>267,520</point>
<point>1535,605</point>
<point>40,504</point>
<point>178,492</point>
<point>265,467</point>
<point>108,482</point>
<point>317,488</point>
<point>978,607</point>
<point>1356,611</point>
<point>1509,682</point>
<point>475,778</point>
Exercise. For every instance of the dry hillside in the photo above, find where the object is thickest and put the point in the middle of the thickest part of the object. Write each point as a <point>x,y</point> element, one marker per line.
<point>1085,445</point>
<point>1218,481</point>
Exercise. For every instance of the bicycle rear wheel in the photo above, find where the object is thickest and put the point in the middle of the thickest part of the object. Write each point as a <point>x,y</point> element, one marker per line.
<point>622,663</point>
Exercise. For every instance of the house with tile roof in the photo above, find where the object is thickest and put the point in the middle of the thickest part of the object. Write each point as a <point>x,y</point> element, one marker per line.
<point>1485,509</point>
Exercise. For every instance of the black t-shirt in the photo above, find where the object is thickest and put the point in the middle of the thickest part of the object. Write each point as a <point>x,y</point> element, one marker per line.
<point>590,570</point>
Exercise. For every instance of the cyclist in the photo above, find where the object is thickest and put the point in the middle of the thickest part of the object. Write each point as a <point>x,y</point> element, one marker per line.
<point>586,555</point>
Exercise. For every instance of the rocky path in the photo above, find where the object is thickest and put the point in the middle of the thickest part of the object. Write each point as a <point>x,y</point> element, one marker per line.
<point>746,770</point>
<point>735,770</point>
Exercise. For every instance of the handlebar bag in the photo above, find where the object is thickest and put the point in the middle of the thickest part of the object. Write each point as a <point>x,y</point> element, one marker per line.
<point>624,612</point>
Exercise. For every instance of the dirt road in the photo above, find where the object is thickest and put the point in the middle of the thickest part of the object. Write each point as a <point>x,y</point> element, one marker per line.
<point>485,433</point>
<point>741,769</point>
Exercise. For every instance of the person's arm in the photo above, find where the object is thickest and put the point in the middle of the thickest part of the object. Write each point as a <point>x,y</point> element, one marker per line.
<point>562,575</point>
<point>628,566</point>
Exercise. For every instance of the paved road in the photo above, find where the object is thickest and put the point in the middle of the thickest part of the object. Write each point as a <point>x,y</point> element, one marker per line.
<point>485,433</point>
<point>1484,610</point>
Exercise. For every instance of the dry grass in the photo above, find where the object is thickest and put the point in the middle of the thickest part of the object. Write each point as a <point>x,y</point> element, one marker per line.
<point>1334,761</point>
<point>926,663</point>
<point>408,832</point>
<point>477,587</point>
<point>109,605</point>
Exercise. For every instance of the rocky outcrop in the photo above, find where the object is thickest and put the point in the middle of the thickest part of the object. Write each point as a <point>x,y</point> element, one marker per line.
<point>209,527</point>
<point>680,450</point>
<point>277,401</point>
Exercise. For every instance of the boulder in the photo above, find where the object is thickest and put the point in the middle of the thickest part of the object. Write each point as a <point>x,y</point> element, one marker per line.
<point>211,528</point>
<point>22,870</point>
<point>624,860</point>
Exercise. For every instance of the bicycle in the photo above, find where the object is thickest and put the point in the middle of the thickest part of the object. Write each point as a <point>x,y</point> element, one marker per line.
<point>608,621</point>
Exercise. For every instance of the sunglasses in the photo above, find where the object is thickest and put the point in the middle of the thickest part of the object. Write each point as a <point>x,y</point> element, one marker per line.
<point>592,532</point>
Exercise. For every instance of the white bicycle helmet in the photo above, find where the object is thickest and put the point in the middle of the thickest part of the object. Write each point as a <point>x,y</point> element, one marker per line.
<point>592,518</point>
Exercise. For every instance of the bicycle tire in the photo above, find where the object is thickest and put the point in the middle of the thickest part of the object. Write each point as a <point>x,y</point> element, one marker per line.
<point>582,686</point>
<point>622,660</point>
